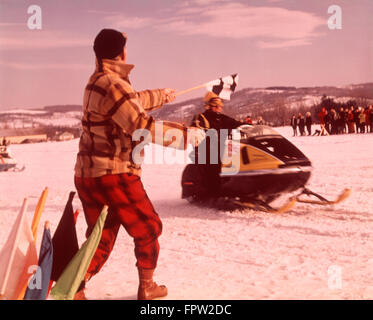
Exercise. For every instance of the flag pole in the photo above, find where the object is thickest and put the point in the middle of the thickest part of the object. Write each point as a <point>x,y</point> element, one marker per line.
<point>39,209</point>
<point>190,89</point>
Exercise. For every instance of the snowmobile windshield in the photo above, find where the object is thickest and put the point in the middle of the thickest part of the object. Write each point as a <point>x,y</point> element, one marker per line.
<point>247,131</point>
<point>270,141</point>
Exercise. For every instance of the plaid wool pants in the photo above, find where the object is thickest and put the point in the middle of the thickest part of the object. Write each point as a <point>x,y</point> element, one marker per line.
<point>130,207</point>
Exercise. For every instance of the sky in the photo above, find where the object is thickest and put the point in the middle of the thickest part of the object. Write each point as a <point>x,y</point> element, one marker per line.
<point>182,44</point>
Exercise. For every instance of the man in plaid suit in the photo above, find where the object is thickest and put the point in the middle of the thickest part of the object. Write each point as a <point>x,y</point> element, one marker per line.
<point>106,172</point>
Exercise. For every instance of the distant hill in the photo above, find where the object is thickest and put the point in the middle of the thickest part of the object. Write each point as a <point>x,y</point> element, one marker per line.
<point>275,104</point>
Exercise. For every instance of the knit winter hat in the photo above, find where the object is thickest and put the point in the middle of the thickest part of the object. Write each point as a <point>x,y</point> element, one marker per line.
<point>212,100</point>
<point>109,44</point>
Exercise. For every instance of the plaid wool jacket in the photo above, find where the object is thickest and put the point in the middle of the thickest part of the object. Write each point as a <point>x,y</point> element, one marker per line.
<point>112,114</point>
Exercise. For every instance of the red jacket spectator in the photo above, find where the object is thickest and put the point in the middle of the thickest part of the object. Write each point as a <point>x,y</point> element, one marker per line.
<point>248,120</point>
<point>322,114</point>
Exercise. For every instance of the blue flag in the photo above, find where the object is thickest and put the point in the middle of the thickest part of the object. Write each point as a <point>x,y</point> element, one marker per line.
<point>38,286</point>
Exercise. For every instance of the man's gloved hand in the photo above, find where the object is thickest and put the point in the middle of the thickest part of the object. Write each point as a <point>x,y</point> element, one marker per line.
<point>170,94</point>
<point>195,136</point>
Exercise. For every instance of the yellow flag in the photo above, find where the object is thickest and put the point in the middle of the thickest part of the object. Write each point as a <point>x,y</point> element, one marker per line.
<point>71,278</point>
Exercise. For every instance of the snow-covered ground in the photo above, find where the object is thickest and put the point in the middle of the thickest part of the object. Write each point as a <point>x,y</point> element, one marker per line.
<point>310,252</point>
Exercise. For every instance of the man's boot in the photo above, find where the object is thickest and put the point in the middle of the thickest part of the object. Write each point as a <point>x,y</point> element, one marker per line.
<point>148,289</point>
<point>80,294</point>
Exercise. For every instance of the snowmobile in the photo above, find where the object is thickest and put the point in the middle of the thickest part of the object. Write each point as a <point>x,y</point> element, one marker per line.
<point>7,163</point>
<point>259,165</point>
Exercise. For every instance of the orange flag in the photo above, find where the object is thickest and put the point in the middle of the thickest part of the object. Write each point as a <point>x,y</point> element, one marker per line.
<point>18,257</point>
<point>34,229</point>
<point>39,209</point>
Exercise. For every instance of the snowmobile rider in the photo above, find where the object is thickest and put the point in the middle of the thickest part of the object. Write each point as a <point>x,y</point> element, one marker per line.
<point>212,118</point>
<point>106,172</point>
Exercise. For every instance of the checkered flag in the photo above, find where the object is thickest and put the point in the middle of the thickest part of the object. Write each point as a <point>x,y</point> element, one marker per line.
<point>223,87</point>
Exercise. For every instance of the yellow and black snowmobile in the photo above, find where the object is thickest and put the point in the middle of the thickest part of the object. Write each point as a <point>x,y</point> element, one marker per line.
<point>257,167</point>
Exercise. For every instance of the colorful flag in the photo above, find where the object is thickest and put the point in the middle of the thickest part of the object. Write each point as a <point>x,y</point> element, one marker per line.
<point>38,211</point>
<point>70,280</point>
<point>34,228</point>
<point>38,286</point>
<point>65,240</point>
<point>18,258</point>
<point>223,87</point>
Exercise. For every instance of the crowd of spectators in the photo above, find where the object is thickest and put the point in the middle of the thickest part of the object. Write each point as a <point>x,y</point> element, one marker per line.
<point>344,120</point>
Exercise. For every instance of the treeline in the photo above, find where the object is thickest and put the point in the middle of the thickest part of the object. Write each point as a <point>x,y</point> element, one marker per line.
<point>63,108</point>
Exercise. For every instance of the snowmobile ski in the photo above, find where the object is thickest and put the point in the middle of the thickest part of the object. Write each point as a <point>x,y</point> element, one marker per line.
<point>263,206</point>
<point>322,201</point>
